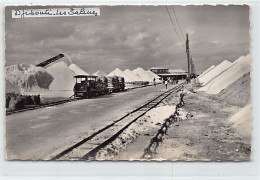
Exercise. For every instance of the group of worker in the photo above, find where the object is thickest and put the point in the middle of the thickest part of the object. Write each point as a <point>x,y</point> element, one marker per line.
<point>166,82</point>
<point>175,82</point>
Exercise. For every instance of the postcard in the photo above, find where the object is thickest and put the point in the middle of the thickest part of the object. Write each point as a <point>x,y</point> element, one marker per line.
<point>132,83</point>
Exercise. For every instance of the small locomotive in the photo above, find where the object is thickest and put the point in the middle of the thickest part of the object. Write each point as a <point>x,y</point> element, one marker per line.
<point>88,86</point>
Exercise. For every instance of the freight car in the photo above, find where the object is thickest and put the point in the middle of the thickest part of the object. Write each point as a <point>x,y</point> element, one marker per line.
<point>89,86</point>
<point>116,83</point>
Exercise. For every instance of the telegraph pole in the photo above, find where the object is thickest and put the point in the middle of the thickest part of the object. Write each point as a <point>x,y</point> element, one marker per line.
<point>188,56</point>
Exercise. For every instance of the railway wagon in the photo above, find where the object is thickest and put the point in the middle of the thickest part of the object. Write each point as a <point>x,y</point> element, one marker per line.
<point>89,86</point>
<point>116,83</point>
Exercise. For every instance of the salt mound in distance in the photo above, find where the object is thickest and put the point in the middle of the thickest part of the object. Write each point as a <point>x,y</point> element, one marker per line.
<point>100,74</point>
<point>215,72</point>
<point>233,73</point>
<point>77,70</point>
<point>145,75</point>
<point>157,78</point>
<point>63,76</point>
<point>119,72</point>
<point>134,76</point>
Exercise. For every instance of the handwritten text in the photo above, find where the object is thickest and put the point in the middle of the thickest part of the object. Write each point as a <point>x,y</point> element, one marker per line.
<point>55,12</point>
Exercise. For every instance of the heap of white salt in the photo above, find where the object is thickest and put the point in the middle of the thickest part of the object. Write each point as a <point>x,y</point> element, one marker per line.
<point>133,76</point>
<point>155,76</point>
<point>241,122</point>
<point>215,72</point>
<point>77,70</point>
<point>145,75</point>
<point>63,76</point>
<point>100,73</point>
<point>239,67</point>
<point>119,72</point>
<point>206,71</point>
<point>27,77</point>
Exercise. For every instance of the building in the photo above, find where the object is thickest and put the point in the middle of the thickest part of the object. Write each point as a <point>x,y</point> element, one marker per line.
<point>169,74</point>
<point>159,70</point>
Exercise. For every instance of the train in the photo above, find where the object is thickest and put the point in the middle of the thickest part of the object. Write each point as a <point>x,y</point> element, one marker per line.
<point>88,86</point>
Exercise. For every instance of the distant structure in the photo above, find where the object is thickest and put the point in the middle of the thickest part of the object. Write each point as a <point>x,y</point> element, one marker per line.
<point>159,70</point>
<point>169,74</point>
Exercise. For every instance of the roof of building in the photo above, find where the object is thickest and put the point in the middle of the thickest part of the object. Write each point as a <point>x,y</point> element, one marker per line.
<point>177,71</point>
<point>172,74</point>
<point>158,68</point>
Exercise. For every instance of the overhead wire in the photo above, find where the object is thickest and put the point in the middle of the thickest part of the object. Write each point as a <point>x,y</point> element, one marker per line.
<point>178,25</point>
<point>173,25</point>
<point>177,28</point>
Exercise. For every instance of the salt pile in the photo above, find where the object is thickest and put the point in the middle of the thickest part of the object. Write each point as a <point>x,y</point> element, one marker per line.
<point>119,72</point>
<point>215,72</point>
<point>63,76</point>
<point>241,121</point>
<point>100,74</point>
<point>145,75</point>
<point>240,67</point>
<point>241,57</point>
<point>134,76</point>
<point>77,70</point>
<point>27,77</point>
<point>157,78</point>
<point>10,87</point>
<point>206,71</point>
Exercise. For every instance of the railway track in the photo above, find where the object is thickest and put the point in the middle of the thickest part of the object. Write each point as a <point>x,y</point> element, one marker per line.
<point>10,112</point>
<point>40,106</point>
<point>87,148</point>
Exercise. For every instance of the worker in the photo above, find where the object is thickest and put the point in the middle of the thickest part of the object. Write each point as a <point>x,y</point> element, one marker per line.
<point>154,82</point>
<point>181,97</point>
<point>166,83</point>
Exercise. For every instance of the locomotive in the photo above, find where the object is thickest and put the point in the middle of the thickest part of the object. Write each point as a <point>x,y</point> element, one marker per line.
<point>88,86</point>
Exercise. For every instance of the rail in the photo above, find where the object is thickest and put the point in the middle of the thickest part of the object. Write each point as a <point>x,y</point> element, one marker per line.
<point>130,118</point>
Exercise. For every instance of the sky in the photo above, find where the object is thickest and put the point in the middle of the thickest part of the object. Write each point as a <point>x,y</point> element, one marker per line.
<point>131,37</point>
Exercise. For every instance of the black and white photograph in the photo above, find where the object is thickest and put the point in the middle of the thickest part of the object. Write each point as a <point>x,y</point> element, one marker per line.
<point>128,83</point>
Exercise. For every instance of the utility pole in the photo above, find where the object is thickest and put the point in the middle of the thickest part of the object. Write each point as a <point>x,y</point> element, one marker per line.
<point>192,71</point>
<point>188,55</point>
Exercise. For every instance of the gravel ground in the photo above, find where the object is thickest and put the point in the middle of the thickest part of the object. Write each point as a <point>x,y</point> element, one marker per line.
<point>207,136</point>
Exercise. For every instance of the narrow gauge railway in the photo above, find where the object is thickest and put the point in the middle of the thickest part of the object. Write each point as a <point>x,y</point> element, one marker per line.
<point>86,86</point>
<point>40,106</point>
<point>87,148</point>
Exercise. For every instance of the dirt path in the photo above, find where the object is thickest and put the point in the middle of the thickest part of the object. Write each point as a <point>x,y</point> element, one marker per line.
<point>208,136</point>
